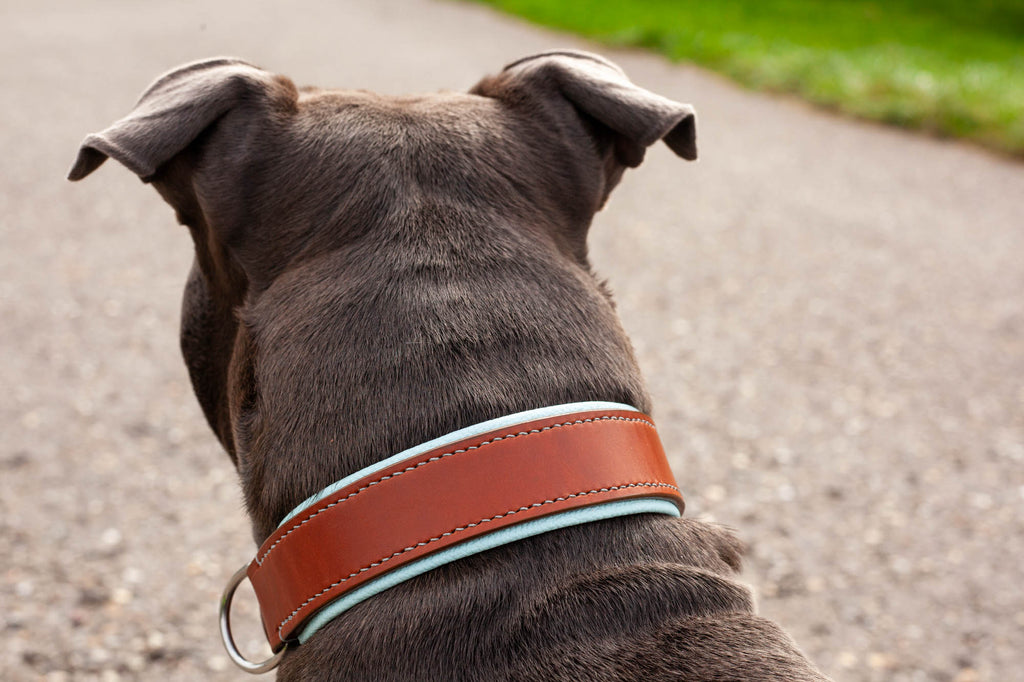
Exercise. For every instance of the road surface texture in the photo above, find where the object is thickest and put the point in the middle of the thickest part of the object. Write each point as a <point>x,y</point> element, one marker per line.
<point>830,315</point>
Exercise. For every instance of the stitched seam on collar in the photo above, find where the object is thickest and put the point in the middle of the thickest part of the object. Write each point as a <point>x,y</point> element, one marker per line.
<point>510,512</point>
<point>435,458</point>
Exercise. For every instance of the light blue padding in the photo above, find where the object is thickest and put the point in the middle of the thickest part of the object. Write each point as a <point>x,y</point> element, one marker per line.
<point>455,436</point>
<point>575,517</point>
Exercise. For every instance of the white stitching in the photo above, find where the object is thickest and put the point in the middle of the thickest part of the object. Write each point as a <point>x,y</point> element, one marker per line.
<point>260,559</point>
<point>459,529</point>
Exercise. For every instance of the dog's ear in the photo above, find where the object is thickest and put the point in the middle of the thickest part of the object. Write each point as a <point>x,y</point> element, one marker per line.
<point>598,88</point>
<point>172,113</point>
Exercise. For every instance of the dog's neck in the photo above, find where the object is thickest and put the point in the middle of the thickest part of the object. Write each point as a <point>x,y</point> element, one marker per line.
<point>443,345</point>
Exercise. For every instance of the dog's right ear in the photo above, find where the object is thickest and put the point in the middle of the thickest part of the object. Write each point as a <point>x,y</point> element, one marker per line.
<point>173,112</point>
<point>597,88</point>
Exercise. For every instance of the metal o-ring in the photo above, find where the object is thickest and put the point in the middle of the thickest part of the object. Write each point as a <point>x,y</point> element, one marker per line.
<point>225,631</point>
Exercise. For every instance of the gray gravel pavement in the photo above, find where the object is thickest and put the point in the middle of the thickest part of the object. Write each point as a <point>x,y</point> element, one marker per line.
<point>830,315</point>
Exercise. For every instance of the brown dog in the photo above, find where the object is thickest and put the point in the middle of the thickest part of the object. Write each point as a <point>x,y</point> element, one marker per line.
<point>372,272</point>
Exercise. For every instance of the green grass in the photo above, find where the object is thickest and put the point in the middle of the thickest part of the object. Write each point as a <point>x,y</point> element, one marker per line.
<point>952,68</point>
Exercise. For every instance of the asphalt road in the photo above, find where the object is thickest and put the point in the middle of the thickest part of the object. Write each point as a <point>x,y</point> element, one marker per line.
<point>830,315</point>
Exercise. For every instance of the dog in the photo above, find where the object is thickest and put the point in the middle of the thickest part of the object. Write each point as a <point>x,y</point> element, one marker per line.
<point>373,271</point>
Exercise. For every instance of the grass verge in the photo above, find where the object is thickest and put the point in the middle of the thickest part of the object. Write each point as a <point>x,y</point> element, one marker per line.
<point>946,67</point>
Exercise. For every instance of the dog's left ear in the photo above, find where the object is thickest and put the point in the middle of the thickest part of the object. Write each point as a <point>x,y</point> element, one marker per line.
<point>598,88</point>
<point>174,111</point>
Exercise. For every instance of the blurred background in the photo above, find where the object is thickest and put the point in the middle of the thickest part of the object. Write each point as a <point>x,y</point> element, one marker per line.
<point>829,312</point>
<point>945,67</point>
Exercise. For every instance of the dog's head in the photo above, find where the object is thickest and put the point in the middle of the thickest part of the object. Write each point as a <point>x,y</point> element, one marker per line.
<point>373,271</point>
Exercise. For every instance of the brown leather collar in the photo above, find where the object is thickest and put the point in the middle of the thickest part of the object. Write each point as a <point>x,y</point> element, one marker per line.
<point>443,497</point>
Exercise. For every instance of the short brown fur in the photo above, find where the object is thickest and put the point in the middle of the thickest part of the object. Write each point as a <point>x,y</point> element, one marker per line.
<point>372,272</point>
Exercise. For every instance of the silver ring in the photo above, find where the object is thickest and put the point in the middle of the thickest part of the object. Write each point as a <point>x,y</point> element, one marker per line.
<point>229,641</point>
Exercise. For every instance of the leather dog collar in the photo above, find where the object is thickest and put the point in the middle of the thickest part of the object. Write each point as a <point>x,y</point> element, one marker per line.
<point>477,488</point>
